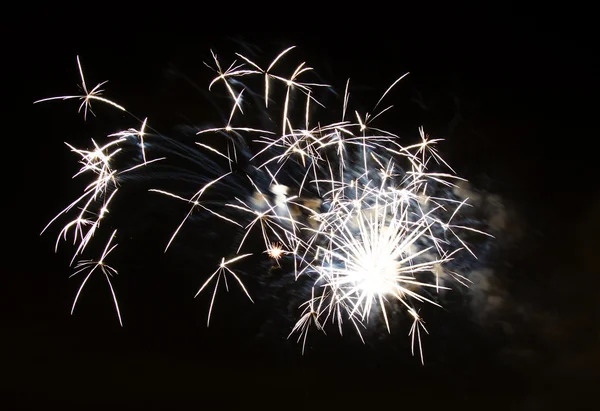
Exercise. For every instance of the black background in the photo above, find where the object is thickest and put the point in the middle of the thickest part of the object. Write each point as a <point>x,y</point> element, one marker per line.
<point>526,83</point>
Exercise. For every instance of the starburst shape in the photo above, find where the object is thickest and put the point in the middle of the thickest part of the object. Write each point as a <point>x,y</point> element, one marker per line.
<point>87,96</point>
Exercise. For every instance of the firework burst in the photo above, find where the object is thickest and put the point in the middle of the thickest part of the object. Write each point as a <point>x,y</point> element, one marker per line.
<point>368,220</point>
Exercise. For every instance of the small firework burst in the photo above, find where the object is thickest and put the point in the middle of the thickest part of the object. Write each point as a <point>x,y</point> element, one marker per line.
<point>275,251</point>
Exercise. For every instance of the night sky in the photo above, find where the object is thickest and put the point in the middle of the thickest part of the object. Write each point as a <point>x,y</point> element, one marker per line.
<point>513,92</point>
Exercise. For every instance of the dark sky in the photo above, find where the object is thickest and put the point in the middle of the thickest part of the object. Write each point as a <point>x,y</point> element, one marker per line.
<point>512,90</point>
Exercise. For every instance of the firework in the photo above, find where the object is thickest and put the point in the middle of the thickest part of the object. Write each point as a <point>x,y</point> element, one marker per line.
<point>372,223</point>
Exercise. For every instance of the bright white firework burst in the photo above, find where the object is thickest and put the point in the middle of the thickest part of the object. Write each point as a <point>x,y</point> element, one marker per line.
<point>368,238</point>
